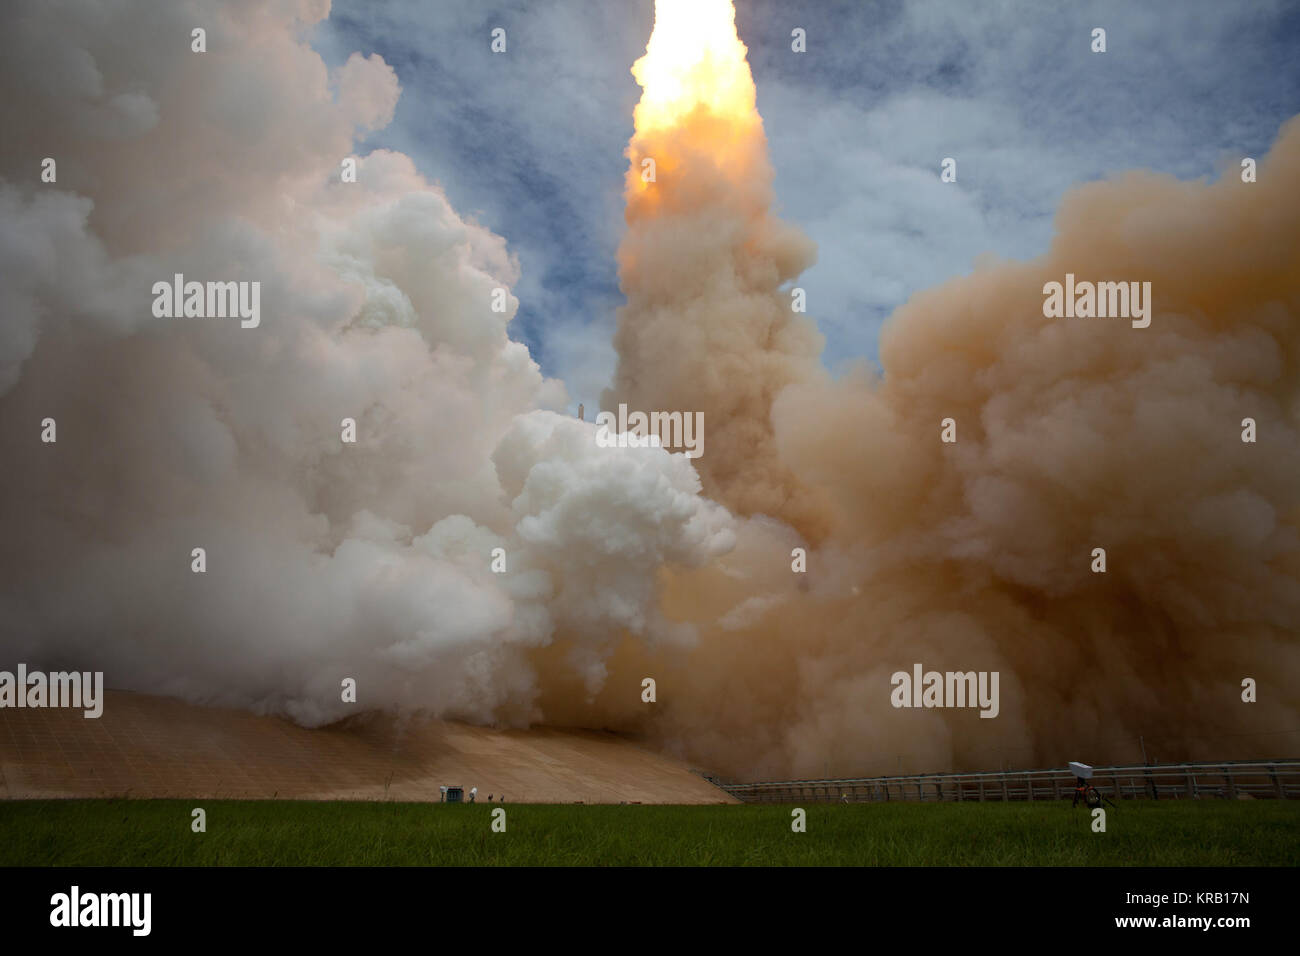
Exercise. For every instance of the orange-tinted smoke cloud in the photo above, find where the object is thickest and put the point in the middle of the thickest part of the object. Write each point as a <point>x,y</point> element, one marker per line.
<point>1072,434</point>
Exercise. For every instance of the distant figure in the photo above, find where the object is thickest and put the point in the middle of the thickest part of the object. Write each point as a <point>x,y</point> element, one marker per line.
<point>503,798</point>
<point>473,792</point>
<point>442,798</point>
<point>489,798</point>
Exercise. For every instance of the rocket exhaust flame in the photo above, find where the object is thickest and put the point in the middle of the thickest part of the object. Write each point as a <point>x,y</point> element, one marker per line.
<point>694,61</point>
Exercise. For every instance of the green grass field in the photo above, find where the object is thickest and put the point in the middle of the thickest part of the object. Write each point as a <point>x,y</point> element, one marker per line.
<point>260,833</point>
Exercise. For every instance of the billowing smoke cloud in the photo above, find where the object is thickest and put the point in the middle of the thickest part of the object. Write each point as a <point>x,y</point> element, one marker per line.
<point>1072,434</point>
<point>329,560</point>
<point>324,560</point>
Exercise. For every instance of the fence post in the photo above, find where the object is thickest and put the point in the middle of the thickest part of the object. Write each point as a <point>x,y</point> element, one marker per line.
<point>1232,787</point>
<point>1277,784</point>
<point>1191,783</point>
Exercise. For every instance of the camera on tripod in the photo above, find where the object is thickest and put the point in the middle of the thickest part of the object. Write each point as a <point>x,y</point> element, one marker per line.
<point>1083,790</point>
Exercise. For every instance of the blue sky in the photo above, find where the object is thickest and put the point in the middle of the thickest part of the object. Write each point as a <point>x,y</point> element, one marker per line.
<point>530,142</point>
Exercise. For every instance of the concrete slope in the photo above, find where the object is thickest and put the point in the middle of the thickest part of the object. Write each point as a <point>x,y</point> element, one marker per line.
<point>145,746</point>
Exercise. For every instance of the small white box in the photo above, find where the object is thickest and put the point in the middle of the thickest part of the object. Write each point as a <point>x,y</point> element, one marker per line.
<point>1081,770</point>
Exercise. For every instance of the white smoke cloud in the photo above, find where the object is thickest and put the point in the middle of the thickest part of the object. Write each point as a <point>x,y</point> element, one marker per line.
<point>324,560</point>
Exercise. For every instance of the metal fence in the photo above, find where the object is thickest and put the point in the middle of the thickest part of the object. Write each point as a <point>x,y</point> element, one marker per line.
<point>1272,779</point>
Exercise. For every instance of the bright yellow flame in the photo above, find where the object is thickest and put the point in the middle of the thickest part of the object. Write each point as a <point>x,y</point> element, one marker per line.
<point>694,59</point>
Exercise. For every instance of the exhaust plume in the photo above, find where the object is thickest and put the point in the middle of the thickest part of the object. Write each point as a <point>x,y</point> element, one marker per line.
<point>708,326</point>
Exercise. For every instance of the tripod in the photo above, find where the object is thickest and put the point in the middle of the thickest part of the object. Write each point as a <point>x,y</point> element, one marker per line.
<point>1091,796</point>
